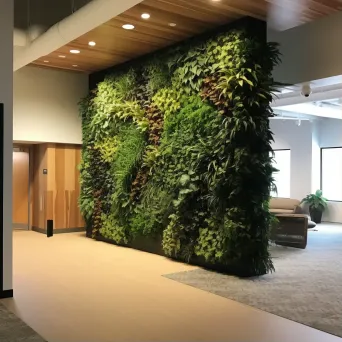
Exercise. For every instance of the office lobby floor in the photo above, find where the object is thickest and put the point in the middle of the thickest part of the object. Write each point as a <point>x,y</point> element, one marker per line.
<point>70,288</point>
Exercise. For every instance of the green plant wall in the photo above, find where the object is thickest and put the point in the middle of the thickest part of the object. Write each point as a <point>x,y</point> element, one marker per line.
<point>178,147</point>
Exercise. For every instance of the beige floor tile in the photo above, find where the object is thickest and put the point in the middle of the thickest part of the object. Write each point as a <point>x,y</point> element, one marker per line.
<point>70,288</point>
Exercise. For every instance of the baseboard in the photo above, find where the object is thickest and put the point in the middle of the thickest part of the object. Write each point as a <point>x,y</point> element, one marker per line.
<point>20,226</point>
<point>60,231</point>
<point>39,230</point>
<point>6,294</point>
<point>69,230</point>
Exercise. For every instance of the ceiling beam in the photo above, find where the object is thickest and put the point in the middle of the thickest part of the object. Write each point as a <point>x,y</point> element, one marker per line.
<point>311,51</point>
<point>82,21</point>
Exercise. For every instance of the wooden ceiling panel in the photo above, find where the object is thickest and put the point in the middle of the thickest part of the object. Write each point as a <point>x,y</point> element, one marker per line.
<point>114,45</point>
<point>201,10</point>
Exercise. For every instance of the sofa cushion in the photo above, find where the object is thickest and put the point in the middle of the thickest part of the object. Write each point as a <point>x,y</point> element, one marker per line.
<point>281,211</point>
<point>283,203</point>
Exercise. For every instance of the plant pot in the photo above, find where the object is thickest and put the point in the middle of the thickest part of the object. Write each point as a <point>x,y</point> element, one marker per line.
<point>316,215</point>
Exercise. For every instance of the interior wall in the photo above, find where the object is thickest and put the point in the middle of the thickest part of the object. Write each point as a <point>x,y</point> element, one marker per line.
<point>288,135</point>
<point>46,105</point>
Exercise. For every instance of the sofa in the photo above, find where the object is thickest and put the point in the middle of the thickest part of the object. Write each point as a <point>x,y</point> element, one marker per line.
<point>283,206</point>
<point>280,205</point>
<point>292,222</point>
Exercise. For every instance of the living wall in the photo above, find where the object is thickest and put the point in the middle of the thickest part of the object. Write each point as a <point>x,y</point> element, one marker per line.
<point>178,147</point>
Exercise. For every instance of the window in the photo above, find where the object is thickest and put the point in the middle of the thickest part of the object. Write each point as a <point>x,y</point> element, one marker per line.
<point>331,173</point>
<point>282,178</point>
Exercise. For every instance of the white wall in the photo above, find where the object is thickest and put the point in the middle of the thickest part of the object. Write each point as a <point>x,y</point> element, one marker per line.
<point>6,97</point>
<point>331,132</point>
<point>45,105</point>
<point>288,135</point>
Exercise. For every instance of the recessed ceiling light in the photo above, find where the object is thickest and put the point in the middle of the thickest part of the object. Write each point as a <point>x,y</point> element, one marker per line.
<point>92,43</point>
<point>61,56</point>
<point>128,27</point>
<point>215,0</point>
<point>46,61</point>
<point>75,51</point>
<point>145,16</point>
<point>75,65</point>
<point>172,24</point>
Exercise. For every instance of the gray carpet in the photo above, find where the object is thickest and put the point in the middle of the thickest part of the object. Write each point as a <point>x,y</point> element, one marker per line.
<point>306,287</point>
<point>13,329</point>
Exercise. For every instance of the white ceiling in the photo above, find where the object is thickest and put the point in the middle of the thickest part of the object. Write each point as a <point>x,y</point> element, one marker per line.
<point>325,101</point>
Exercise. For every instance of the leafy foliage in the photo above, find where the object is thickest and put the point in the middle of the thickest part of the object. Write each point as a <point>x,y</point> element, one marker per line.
<point>316,200</point>
<point>180,148</point>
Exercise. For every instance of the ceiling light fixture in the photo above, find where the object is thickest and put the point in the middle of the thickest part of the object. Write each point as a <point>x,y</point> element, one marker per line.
<point>46,61</point>
<point>146,16</point>
<point>172,24</point>
<point>75,51</point>
<point>128,27</point>
<point>61,56</point>
<point>75,65</point>
<point>92,43</point>
<point>215,0</point>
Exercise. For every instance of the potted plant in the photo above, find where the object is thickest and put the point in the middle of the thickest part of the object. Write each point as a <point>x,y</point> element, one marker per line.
<point>317,204</point>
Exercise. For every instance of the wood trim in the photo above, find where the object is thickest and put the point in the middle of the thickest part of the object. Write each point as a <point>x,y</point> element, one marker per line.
<point>60,230</point>
<point>31,175</point>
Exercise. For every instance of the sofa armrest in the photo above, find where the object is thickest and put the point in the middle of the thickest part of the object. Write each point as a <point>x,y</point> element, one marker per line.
<point>298,210</point>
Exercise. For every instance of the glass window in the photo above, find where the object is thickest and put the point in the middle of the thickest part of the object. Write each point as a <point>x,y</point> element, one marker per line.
<point>282,178</point>
<point>331,176</point>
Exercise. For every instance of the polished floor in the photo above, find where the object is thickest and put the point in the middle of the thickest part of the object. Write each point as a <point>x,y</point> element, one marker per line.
<point>69,288</point>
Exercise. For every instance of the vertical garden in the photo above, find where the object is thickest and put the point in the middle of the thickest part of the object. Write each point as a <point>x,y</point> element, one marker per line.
<point>176,148</point>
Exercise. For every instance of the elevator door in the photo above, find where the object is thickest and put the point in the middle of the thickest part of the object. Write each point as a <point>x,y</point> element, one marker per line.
<point>21,189</point>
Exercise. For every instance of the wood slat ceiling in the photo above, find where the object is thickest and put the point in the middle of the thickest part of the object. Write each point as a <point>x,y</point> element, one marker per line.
<point>114,45</point>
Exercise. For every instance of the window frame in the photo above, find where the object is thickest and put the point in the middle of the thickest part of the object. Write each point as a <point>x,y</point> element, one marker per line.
<point>321,169</point>
<point>279,150</point>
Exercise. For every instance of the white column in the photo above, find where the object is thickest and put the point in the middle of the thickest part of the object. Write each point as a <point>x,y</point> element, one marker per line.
<point>6,97</point>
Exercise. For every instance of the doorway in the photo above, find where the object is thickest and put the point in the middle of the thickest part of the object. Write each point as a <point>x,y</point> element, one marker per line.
<point>21,188</point>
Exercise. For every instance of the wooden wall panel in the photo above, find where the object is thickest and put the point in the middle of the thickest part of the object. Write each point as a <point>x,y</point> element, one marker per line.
<point>20,216</point>
<point>63,186</point>
<point>39,184</point>
<point>55,194</point>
